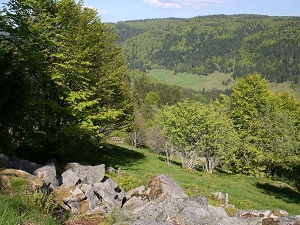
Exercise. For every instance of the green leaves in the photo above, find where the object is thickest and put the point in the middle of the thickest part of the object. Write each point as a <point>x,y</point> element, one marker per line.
<point>74,67</point>
<point>198,130</point>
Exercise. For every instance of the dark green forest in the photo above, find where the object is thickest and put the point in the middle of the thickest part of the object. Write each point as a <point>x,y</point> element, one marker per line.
<point>238,44</point>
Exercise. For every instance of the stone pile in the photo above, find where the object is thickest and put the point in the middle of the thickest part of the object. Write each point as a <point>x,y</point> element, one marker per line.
<point>86,190</point>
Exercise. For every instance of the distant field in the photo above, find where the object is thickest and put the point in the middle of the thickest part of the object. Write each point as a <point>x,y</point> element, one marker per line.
<point>192,81</point>
<point>213,81</point>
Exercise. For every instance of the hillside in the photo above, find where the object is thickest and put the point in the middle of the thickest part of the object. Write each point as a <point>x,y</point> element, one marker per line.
<point>237,44</point>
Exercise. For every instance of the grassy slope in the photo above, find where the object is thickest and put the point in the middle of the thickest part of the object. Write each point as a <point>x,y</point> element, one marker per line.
<point>13,210</point>
<point>244,191</point>
<point>213,81</point>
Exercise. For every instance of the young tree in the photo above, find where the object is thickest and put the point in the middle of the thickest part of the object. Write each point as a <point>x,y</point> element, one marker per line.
<point>198,130</point>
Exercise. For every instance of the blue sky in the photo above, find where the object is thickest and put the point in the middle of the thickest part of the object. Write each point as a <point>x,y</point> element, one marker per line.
<point>120,10</point>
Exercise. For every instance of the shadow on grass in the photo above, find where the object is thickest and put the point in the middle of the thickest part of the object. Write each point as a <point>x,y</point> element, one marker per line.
<point>163,159</point>
<point>284,193</point>
<point>110,155</point>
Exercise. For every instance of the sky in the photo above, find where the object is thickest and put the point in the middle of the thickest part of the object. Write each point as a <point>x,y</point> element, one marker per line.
<point>122,10</point>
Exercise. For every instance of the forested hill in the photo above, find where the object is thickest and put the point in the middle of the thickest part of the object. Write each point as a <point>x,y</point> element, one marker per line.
<point>240,44</point>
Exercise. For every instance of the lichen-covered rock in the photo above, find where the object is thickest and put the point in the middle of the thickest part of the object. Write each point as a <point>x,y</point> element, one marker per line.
<point>162,188</point>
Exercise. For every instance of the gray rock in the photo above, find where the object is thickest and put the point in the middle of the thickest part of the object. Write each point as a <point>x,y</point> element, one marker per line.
<point>69,178</point>
<point>141,192</point>
<point>237,221</point>
<point>48,174</point>
<point>163,188</point>
<point>202,200</point>
<point>109,170</point>
<point>193,213</point>
<point>217,212</point>
<point>150,211</point>
<point>253,213</point>
<point>145,222</point>
<point>5,162</point>
<point>173,207</point>
<point>88,174</point>
<point>288,220</point>
<point>133,202</point>
<point>25,165</point>
<point>112,195</point>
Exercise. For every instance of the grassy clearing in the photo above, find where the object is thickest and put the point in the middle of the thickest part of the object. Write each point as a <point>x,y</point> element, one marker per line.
<point>245,192</point>
<point>213,81</point>
<point>192,81</point>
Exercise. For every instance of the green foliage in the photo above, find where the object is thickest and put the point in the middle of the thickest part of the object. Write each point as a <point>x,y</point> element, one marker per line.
<point>66,73</point>
<point>198,130</point>
<point>267,126</point>
<point>44,203</point>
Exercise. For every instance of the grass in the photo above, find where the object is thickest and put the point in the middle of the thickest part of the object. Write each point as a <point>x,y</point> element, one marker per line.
<point>245,192</point>
<point>213,81</point>
<point>15,211</point>
<point>192,81</point>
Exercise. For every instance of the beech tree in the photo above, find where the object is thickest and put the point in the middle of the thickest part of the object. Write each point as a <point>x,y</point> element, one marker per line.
<point>267,127</point>
<point>197,130</point>
<point>74,69</point>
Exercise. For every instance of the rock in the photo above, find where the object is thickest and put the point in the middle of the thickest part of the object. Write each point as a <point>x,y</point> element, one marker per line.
<point>5,162</point>
<point>133,202</point>
<point>16,173</point>
<point>145,222</point>
<point>47,173</point>
<point>287,220</point>
<point>69,178</point>
<point>112,195</point>
<point>109,170</point>
<point>150,211</point>
<point>217,212</point>
<point>141,192</point>
<point>236,221</point>
<point>25,165</point>
<point>163,187</point>
<point>87,174</point>
<point>253,213</point>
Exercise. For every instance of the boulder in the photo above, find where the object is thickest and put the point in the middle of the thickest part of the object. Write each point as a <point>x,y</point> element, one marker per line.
<point>69,178</point>
<point>16,173</point>
<point>163,187</point>
<point>47,173</point>
<point>88,174</point>
<point>5,162</point>
<point>145,222</point>
<point>111,194</point>
<point>25,165</point>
